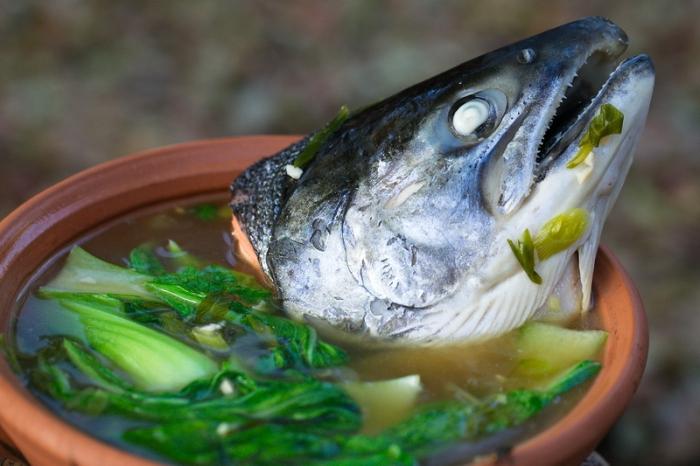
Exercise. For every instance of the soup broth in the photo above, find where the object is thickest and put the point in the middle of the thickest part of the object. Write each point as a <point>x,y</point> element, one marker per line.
<point>201,227</point>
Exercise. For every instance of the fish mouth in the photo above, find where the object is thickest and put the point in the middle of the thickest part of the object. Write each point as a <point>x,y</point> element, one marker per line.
<point>579,103</point>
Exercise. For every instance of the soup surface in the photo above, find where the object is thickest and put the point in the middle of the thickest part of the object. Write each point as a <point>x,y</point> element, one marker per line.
<point>390,386</point>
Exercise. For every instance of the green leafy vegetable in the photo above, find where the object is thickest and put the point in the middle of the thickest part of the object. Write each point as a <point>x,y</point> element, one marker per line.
<point>143,260</point>
<point>316,141</point>
<point>432,427</point>
<point>205,212</point>
<point>271,406</point>
<point>85,273</point>
<point>210,337</point>
<point>524,251</point>
<point>444,423</point>
<point>609,120</point>
<point>560,232</point>
<point>154,360</point>
<point>244,401</point>
<point>214,279</point>
<point>183,290</point>
<point>295,344</point>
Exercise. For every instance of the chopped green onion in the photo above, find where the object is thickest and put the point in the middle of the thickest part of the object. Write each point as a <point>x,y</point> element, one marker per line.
<point>608,121</point>
<point>560,232</point>
<point>524,251</point>
<point>315,142</point>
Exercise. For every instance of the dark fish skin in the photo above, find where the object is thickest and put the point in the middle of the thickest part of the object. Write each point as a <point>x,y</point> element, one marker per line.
<point>258,195</point>
<point>395,214</point>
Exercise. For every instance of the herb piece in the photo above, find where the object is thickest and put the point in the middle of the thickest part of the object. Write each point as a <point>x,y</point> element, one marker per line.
<point>316,141</point>
<point>209,335</point>
<point>205,212</point>
<point>85,273</point>
<point>143,260</point>
<point>609,120</point>
<point>524,251</point>
<point>560,232</point>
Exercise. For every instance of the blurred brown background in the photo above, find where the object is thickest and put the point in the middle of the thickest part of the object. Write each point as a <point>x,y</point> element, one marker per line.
<point>86,81</point>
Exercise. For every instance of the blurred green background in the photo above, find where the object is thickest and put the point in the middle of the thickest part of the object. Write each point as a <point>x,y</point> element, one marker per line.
<point>86,81</point>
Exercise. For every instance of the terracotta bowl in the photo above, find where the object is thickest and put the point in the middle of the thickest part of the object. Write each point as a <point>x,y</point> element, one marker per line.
<point>65,212</point>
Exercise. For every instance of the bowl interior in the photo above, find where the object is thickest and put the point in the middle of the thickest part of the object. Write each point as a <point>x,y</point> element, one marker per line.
<point>58,216</point>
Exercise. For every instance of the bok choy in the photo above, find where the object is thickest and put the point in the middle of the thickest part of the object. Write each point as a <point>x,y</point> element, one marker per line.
<point>207,370</point>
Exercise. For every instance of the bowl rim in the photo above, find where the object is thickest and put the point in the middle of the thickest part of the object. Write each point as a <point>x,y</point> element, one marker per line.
<point>32,223</point>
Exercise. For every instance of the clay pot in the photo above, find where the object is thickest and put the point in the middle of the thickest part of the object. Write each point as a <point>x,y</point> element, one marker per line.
<point>61,214</point>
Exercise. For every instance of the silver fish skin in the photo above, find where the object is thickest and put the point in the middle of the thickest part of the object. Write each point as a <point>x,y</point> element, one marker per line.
<point>396,233</point>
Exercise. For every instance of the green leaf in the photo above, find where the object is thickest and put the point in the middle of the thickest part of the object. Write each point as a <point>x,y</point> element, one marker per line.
<point>608,121</point>
<point>214,279</point>
<point>575,376</point>
<point>524,251</point>
<point>205,212</point>
<point>298,342</point>
<point>181,299</point>
<point>316,141</point>
<point>142,259</point>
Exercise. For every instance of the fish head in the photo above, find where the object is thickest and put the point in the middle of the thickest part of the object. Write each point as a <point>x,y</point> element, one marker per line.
<point>399,228</point>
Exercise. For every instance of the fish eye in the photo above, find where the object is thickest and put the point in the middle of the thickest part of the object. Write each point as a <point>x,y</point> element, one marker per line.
<point>475,116</point>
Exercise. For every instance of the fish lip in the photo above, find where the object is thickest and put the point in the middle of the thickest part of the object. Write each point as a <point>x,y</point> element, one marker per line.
<point>640,63</point>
